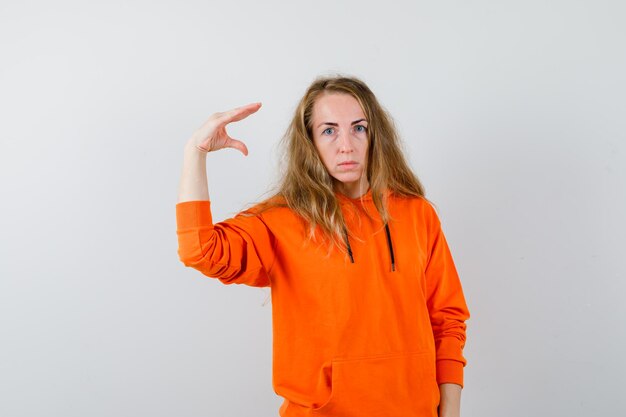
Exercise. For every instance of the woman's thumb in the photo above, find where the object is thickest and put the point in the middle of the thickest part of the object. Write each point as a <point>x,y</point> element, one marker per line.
<point>239,145</point>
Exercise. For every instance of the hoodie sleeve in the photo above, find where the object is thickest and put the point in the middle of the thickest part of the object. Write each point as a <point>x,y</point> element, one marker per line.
<point>235,251</point>
<point>447,307</point>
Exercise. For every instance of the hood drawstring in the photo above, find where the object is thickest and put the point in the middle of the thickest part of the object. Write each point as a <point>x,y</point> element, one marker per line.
<point>345,237</point>
<point>389,245</point>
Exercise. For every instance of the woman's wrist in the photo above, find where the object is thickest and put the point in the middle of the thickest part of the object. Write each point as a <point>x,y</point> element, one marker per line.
<point>192,147</point>
<point>450,401</point>
<point>193,182</point>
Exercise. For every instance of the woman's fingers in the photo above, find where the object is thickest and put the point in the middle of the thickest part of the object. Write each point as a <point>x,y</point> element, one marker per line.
<point>238,113</point>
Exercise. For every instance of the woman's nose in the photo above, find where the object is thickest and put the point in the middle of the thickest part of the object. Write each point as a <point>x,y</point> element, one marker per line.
<point>345,144</point>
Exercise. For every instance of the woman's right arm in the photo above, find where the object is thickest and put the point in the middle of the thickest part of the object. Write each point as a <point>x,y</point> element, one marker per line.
<point>237,250</point>
<point>211,136</point>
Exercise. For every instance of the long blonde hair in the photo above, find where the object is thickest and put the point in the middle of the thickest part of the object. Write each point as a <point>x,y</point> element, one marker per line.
<point>306,187</point>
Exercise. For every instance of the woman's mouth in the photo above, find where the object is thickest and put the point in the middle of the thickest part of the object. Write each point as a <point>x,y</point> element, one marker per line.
<point>348,164</point>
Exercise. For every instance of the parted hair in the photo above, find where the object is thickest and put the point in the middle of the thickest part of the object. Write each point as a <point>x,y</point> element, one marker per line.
<point>306,187</point>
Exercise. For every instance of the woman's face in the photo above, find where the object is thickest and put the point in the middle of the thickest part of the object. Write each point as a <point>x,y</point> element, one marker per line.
<point>340,137</point>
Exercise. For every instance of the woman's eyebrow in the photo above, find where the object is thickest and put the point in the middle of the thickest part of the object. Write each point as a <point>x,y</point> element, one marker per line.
<point>335,124</point>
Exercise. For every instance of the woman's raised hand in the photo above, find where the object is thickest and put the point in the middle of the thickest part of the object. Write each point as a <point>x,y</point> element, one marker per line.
<point>212,135</point>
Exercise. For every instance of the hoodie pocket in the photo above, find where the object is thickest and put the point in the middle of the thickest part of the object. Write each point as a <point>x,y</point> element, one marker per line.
<point>389,385</point>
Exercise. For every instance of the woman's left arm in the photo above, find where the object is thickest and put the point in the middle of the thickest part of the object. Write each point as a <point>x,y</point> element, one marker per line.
<point>446,306</point>
<point>450,403</point>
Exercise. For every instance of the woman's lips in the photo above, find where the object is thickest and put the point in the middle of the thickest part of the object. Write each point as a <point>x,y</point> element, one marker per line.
<point>348,164</point>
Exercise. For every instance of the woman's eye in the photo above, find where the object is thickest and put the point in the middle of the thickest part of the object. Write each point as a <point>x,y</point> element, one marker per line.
<point>328,131</point>
<point>360,128</point>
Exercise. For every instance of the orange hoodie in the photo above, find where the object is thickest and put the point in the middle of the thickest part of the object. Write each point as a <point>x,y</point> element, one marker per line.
<point>369,333</point>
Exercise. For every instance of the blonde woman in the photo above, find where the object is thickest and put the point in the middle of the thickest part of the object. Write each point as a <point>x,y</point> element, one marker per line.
<point>367,307</point>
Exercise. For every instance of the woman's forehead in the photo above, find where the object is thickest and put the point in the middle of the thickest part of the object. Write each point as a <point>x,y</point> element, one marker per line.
<point>337,107</point>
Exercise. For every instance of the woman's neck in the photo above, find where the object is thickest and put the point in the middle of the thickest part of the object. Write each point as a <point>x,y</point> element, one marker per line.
<point>352,189</point>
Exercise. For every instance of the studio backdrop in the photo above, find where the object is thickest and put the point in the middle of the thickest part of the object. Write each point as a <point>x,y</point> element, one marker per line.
<point>511,113</point>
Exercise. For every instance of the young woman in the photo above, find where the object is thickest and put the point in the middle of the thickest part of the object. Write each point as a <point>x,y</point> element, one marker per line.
<point>367,306</point>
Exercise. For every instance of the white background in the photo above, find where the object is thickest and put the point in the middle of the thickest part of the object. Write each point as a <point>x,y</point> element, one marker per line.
<point>513,116</point>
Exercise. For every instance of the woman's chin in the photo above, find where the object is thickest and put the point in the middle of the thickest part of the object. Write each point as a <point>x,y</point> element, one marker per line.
<point>347,180</point>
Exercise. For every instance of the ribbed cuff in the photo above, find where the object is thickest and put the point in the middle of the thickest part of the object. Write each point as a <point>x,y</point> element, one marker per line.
<point>449,371</point>
<point>193,214</point>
